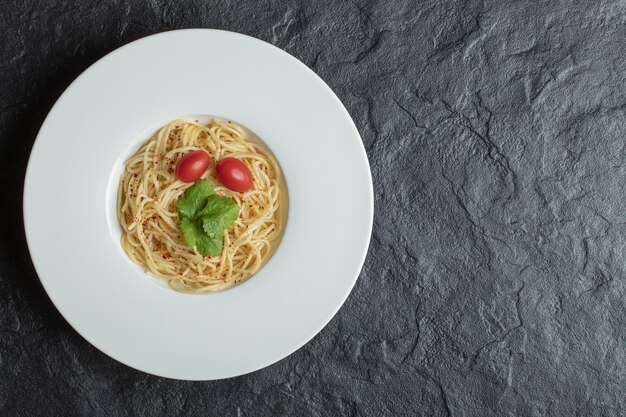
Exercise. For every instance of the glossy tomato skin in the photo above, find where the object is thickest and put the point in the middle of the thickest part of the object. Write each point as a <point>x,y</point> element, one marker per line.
<point>234,174</point>
<point>192,166</point>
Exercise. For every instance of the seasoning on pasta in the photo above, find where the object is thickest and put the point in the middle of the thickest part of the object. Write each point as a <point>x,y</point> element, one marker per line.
<point>201,206</point>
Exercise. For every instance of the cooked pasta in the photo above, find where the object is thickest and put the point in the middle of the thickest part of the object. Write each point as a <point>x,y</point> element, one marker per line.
<point>149,191</point>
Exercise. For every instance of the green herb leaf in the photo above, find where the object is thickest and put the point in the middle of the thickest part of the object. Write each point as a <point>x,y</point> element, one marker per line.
<point>204,216</point>
<point>195,199</point>
<point>221,210</point>
<point>211,246</point>
<point>190,230</point>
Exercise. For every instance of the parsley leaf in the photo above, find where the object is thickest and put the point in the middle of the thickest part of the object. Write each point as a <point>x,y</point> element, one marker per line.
<point>204,216</point>
<point>190,231</point>
<point>208,245</point>
<point>221,210</point>
<point>195,199</point>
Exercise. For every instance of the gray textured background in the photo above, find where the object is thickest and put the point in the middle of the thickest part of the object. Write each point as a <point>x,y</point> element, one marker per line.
<point>495,281</point>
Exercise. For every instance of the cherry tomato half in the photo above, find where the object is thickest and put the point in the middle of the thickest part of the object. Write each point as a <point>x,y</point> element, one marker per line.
<point>192,166</point>
<point>234,174</point>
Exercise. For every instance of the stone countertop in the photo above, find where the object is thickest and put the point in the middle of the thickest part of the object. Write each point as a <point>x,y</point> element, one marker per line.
<point>496,278</point>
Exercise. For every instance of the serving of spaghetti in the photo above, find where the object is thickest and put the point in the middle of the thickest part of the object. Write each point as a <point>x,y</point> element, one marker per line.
<point>147,207</point>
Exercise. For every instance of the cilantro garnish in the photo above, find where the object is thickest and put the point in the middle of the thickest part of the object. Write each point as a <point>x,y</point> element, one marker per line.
<point>204,216</point>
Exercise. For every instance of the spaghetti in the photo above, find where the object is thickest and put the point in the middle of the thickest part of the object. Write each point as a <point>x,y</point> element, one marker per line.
<point>149,191</point>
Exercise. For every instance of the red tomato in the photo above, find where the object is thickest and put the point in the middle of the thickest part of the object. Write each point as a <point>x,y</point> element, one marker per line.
<point>234,174</point>
<point>192,166</point>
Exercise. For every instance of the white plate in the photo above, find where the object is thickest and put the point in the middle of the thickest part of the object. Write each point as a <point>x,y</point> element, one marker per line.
<point>71,186</point>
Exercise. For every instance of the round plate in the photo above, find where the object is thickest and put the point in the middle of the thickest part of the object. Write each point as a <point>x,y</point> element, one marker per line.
<point>71,185</point>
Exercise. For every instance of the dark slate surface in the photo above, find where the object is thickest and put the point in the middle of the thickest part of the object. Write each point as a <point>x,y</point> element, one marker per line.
<point>496,278</point>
